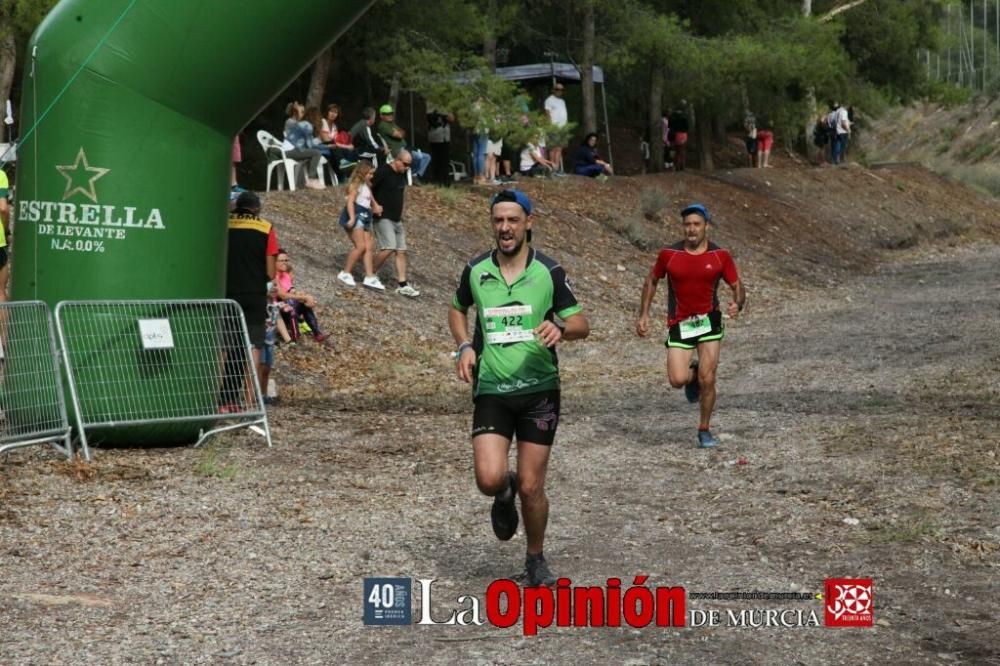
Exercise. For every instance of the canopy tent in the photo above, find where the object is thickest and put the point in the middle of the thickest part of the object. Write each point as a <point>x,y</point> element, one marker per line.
<point>559,70</point>
<point>553,70</point>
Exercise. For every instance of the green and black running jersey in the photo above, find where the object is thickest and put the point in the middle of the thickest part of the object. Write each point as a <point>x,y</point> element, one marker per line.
<point>511,360</point>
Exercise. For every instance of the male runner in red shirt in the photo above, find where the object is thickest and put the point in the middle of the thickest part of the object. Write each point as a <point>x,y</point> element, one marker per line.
<point>693,268</point>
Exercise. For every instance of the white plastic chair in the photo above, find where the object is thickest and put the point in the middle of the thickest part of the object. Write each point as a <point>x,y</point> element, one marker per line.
<point>290,167</point>
<point>457,170</point>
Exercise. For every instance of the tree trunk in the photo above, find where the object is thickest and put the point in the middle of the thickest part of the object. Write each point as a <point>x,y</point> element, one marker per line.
<point>703,129</point>
<point>587,70</point>
<point>320,75</point>
<point>394,90</point>
<point>656,121</point>
<point>8,58</point>
<point>490,36</point>
<point>811,151</point>
<point>718,129</point>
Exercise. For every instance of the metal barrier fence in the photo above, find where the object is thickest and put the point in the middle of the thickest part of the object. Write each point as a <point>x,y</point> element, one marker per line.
<point>32,405</point>
<point>158,371</point>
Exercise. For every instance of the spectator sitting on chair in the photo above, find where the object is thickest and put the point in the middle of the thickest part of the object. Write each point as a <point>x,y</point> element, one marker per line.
<point>367,144</point>
<point>395,137</point>
<point>299,136</point>
<point>300,305</point>
<point>338,140</point>
<point>311,122</point>
<point>588,162</point>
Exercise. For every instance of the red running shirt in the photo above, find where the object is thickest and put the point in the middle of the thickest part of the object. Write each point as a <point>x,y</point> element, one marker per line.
<point>693,279</point>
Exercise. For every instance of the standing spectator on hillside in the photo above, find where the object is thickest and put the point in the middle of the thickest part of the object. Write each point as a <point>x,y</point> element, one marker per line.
<point>668,162</point>
<point>765,139</point>
<point>845,122</point>
<point>388,187</point>
<point>821,137</point>
<point>439,136</point>
<point>679,136</point>
<point>357,219</point>
<point>367,144</point>
<point>4,230</point>
<point>750,137</point>
<point>840,131</point>
<point>250,264</point>
<point>555,106</point>
<point>395,137</point>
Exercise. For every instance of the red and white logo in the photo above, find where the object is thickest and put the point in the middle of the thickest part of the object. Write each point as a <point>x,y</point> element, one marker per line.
<point>848,602</point>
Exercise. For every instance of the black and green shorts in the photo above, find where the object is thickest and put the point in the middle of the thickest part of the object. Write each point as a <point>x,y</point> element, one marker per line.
<point>718,331</point>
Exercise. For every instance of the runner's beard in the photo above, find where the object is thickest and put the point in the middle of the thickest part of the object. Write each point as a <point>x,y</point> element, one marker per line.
<point>512,252</point>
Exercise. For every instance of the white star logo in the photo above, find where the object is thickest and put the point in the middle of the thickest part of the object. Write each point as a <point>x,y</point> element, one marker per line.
<point>77,172</point>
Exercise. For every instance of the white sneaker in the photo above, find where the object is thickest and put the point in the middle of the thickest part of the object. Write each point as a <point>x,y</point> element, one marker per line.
<point>373,283</point>
<point>347,279</point>
<point>407,291</point>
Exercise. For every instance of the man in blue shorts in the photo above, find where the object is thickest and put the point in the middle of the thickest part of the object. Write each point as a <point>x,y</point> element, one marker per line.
<point>693,268</point>
<point>520,295</point>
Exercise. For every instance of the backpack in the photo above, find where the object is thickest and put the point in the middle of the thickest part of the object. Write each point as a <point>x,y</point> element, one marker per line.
<point>831,120</point>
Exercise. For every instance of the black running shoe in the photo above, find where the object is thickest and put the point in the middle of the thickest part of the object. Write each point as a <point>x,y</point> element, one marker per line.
<point>503,515</point>
<point>537,571</point>
<point>692,390</point>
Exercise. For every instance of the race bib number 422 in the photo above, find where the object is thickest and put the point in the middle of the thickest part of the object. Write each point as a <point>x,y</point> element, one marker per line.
<point>510,323</point>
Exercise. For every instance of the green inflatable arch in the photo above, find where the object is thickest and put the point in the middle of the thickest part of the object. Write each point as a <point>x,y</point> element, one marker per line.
<point>128,113</point>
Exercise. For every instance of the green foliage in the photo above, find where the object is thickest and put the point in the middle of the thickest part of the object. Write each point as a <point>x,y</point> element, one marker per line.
<point>946,93</point>
<point>975,151</point>
<point>882,38</point>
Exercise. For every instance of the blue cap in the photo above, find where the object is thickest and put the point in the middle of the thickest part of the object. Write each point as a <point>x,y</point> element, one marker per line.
<point>515,196</point>
<point>697,208</point>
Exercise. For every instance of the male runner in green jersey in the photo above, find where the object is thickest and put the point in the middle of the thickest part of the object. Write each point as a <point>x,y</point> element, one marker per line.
<point>518,293</point>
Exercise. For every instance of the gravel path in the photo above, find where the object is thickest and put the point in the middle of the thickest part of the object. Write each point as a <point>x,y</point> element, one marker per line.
<point>877,401</point>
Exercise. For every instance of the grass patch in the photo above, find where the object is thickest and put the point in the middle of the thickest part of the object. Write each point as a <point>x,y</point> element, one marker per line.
<point>634,231</point>
<point>909,532</point>
<point>652,203</point>
<point>950,133</point>
<point>211,463</point>
<point>449,195</point>
<point>984,178</point>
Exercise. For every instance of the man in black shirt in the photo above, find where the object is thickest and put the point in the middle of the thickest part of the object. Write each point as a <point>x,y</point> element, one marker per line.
<point>388,188</point>
<point>678,122</point>
<point>250,263</point>
<point>366,144</point>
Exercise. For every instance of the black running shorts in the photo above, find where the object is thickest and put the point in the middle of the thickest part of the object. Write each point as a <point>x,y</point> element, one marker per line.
<point>533,417</point>
<point>717,333</point>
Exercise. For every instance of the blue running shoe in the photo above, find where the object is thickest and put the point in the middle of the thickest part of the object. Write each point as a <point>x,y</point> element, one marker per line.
<point>706,440</point>
<point>692,390</point>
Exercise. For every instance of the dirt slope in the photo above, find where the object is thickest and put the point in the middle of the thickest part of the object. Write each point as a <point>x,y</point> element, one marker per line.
<point>858,411</point>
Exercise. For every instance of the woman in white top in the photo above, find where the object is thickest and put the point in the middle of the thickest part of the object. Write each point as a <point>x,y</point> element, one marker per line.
<point>356,219</point>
